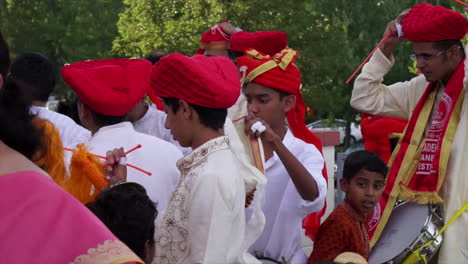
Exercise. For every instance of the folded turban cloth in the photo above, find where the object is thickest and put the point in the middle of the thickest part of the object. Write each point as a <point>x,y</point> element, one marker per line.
<point>109,87</point>
<point>428,23</point>
<point>267,42</point>
<point>200,80</point>
<point>280,73</point>
<point>215,38</point>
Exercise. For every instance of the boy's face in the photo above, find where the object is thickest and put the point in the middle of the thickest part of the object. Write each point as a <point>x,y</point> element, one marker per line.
<point>176,122</point>
<point>363,191</point>
<point>266,104</point>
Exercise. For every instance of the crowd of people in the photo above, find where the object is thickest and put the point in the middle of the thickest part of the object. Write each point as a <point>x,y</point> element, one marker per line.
<point>207,159</point>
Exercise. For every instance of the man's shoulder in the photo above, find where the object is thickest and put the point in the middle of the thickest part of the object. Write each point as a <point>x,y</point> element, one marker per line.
<point>156,142</point>
<point>301,148</point>
<point>50,115</point>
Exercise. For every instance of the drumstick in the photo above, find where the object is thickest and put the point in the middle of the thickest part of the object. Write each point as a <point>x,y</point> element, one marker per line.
<point>368,57</point>
<point>257,155</point>
<point>128,151</point>
<point>128,164</point>
<point>460,2</point>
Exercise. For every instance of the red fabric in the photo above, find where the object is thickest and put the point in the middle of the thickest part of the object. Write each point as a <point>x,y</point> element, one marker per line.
<point>426,177</point>
<point>204,81</point>
<point>268,42</point>
<point>216,35</point>
<point>156,101</point>
<point>376,130</point>
<point>343,231</point>
<point>111,86</point>
<point>426,183</point>
<point>289,81</point>
<point>428,23</point>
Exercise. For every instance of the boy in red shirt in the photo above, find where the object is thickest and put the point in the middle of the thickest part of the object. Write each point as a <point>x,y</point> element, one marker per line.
<point>346,228</point>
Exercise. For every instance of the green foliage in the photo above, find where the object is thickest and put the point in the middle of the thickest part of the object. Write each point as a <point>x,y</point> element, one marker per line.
<point>64,30</point>
<point>170,26</point>
<point>332,36</point>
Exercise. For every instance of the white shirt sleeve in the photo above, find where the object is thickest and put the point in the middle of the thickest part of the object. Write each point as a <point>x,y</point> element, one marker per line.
<point>372,96</point>
<point>313,161</point>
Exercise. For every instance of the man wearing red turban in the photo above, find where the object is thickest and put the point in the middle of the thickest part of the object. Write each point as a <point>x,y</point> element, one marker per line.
<point>107,90</point>
<point>205,220</point>
<point>229,41</point>
<point>431,160</point>
<point>296,186</point>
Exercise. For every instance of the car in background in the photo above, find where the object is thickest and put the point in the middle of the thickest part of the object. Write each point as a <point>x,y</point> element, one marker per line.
<point>52,103</point>
<point>340,126</point>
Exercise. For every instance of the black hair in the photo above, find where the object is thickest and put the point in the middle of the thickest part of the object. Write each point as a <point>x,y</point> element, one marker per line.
<point>282,94</point>
<point>154,56</point>
<point>363,159</point>
<point>106,120</point>
<point>102,120</point>
<point>129,214</point>
<point>446,44</point>
<point>70,109</point>
<point>18,130</point>
<point>4,57</point>
<point>37,71</point>
<point>213,118</point>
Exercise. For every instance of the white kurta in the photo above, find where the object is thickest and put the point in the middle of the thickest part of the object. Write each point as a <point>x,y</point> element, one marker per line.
<point>155,156</point>
<point>205,219</point>
<point>71,133</point>
<point>398,100</point>
<point>284,207</point>
<point>152,123</point>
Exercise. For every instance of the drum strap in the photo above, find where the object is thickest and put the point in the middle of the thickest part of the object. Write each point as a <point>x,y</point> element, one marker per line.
<point>418,254</point>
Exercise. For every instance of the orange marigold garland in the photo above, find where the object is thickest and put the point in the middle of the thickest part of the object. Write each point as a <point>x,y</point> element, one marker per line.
<point>86,175</point>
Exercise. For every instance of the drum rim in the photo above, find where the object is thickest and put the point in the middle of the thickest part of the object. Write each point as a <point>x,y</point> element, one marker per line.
<point>412,246</point>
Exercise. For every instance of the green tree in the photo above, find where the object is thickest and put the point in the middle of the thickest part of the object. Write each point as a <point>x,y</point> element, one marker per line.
<point>332,36</point>
<point>167,25</point>
<point>64,30</point>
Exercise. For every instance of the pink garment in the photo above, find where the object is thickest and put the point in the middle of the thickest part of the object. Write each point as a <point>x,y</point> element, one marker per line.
<point>41,223</point>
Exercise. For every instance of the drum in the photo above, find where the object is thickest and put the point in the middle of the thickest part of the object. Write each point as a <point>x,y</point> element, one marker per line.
<point>410,226</point>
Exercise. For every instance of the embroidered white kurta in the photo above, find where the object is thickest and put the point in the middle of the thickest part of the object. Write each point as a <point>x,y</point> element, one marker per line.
<point>71,133</point>
<point>205,219</point>
<point>155,156</point>
<point>398,100</point>
<point>152,123</point>
<point>284,207</point>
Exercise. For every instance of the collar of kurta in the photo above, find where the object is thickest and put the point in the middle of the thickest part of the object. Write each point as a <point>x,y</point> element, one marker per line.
<point>200,154</point>
<point>105,129</point>
<point>350,210</point>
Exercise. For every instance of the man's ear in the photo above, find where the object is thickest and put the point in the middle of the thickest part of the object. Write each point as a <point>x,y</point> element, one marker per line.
<point>289,102</point>
<point>187,111</point>
<point>344,185</point>
<point>83,112</point>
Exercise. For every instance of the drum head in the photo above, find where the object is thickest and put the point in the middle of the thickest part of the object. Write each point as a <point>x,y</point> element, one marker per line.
<point>402,229</point>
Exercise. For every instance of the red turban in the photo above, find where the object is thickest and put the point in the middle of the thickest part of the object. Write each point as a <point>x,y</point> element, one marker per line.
<point>111,86</point>
<point>428,23</point>
<point>268,42</point>
<point>204,81</point>
<point>215,38</point>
